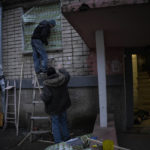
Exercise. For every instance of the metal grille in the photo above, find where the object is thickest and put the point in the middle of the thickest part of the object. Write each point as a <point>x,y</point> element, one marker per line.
<point>32,18</point>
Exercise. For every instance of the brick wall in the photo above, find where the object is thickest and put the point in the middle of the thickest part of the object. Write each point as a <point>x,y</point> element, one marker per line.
<point>75,52</point>
<point>12,42</point>
<point>73,56</point>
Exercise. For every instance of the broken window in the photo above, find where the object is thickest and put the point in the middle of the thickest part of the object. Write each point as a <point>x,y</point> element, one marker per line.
<point>32,18</point>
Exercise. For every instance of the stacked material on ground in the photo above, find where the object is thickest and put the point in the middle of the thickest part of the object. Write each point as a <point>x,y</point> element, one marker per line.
<point>78,143</point>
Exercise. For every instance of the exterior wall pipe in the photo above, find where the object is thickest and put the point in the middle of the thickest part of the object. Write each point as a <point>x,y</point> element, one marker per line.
<point>2,81</point>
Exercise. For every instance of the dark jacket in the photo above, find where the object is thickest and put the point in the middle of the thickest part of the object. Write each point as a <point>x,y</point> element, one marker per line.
<point>42,32</point>
<point>55,93</point>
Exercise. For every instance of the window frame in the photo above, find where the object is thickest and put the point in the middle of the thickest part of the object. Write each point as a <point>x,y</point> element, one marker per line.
<point>49,48</point>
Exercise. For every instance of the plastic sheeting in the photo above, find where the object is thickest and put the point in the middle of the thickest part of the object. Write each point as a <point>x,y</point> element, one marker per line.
<point>79,143</point>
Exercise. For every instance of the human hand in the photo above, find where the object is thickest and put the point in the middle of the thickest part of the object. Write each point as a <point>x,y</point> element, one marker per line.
<point>59,66</point>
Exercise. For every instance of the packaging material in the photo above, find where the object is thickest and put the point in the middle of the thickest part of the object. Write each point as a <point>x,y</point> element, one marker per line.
<point>1,119</point>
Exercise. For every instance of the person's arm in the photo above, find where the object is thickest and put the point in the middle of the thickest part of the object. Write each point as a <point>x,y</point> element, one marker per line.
<point>66,74</point>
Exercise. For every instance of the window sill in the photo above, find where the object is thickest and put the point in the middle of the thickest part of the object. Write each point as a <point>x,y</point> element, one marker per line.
<point>48,51</point>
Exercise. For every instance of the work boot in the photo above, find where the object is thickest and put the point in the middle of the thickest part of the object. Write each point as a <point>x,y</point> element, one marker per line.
<point>42,75</point>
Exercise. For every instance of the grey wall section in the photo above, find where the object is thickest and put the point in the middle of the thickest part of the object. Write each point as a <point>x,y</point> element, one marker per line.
<point>84,98</point>
<point>77,81</point>
<point>116,105</point>
<point>81,114</point>
<point>84,107</point>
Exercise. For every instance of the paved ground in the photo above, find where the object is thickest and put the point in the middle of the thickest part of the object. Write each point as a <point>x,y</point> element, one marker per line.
<point>134,141</point>
<point>9,140</point>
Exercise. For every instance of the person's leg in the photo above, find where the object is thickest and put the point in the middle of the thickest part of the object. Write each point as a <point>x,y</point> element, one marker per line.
<point>64,126</point>
<point>44,61</point>
<point>56,128</point>
<point>43,56</point>
<point>36,58</point>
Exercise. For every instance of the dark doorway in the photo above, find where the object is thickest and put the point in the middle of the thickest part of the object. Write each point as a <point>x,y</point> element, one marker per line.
<point>137,85</point>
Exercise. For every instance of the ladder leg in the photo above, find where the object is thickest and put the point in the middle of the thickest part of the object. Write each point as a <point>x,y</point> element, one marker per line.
<point>10,109</point>
<point>34,118</point>
<point>6,108</point>
<point>33,97</point>
<point>15,110</point>
<point>29,134</point>
<point>36,79</point>
<point>19,97</point>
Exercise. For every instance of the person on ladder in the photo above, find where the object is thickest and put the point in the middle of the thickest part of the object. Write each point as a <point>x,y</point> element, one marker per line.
<point>38,39</point>
<point>56,99</point>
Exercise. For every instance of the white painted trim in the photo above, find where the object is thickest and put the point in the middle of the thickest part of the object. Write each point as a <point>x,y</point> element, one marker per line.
<point>100,49</point>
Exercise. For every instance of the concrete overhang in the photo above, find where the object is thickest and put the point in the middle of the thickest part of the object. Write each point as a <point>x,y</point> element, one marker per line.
<point>125,23</point>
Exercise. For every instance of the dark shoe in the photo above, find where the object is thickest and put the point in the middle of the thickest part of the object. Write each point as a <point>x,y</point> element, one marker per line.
<point>67,139</point>
<point>38,72</point>
<point>42,75</point>
<point>44,71</point>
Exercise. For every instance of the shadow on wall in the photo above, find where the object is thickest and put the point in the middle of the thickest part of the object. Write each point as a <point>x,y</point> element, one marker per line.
<point>84,108</point>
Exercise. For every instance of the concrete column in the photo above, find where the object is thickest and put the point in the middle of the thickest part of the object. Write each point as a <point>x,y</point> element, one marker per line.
<point>100,50</point>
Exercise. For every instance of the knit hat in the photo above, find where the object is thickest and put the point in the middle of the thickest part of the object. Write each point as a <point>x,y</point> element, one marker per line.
<point>52,22</point>
<point>51,71</point>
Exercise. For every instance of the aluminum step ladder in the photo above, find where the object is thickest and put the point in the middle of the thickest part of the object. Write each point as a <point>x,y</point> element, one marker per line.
<point>35,119</point>
<point>10,106</point>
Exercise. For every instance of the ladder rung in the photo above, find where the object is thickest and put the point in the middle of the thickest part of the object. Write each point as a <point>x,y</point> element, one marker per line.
<point>11,95</point>
<point>11,104</point>
<point>10,121</point>
<point>40,131</point>
<point>39,117</point>
<point>36,87</point>
<point>10,113</point>
<point>9,87</point>
<point>10,118</point>
<point>37,102</point>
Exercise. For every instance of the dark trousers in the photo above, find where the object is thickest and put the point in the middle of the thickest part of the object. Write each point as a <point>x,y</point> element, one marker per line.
<point>40,57</point>
<point>59,127</point>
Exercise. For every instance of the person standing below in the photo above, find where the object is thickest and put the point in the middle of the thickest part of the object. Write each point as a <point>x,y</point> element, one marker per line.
<point>56,99</point>
<point>38,39</point>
